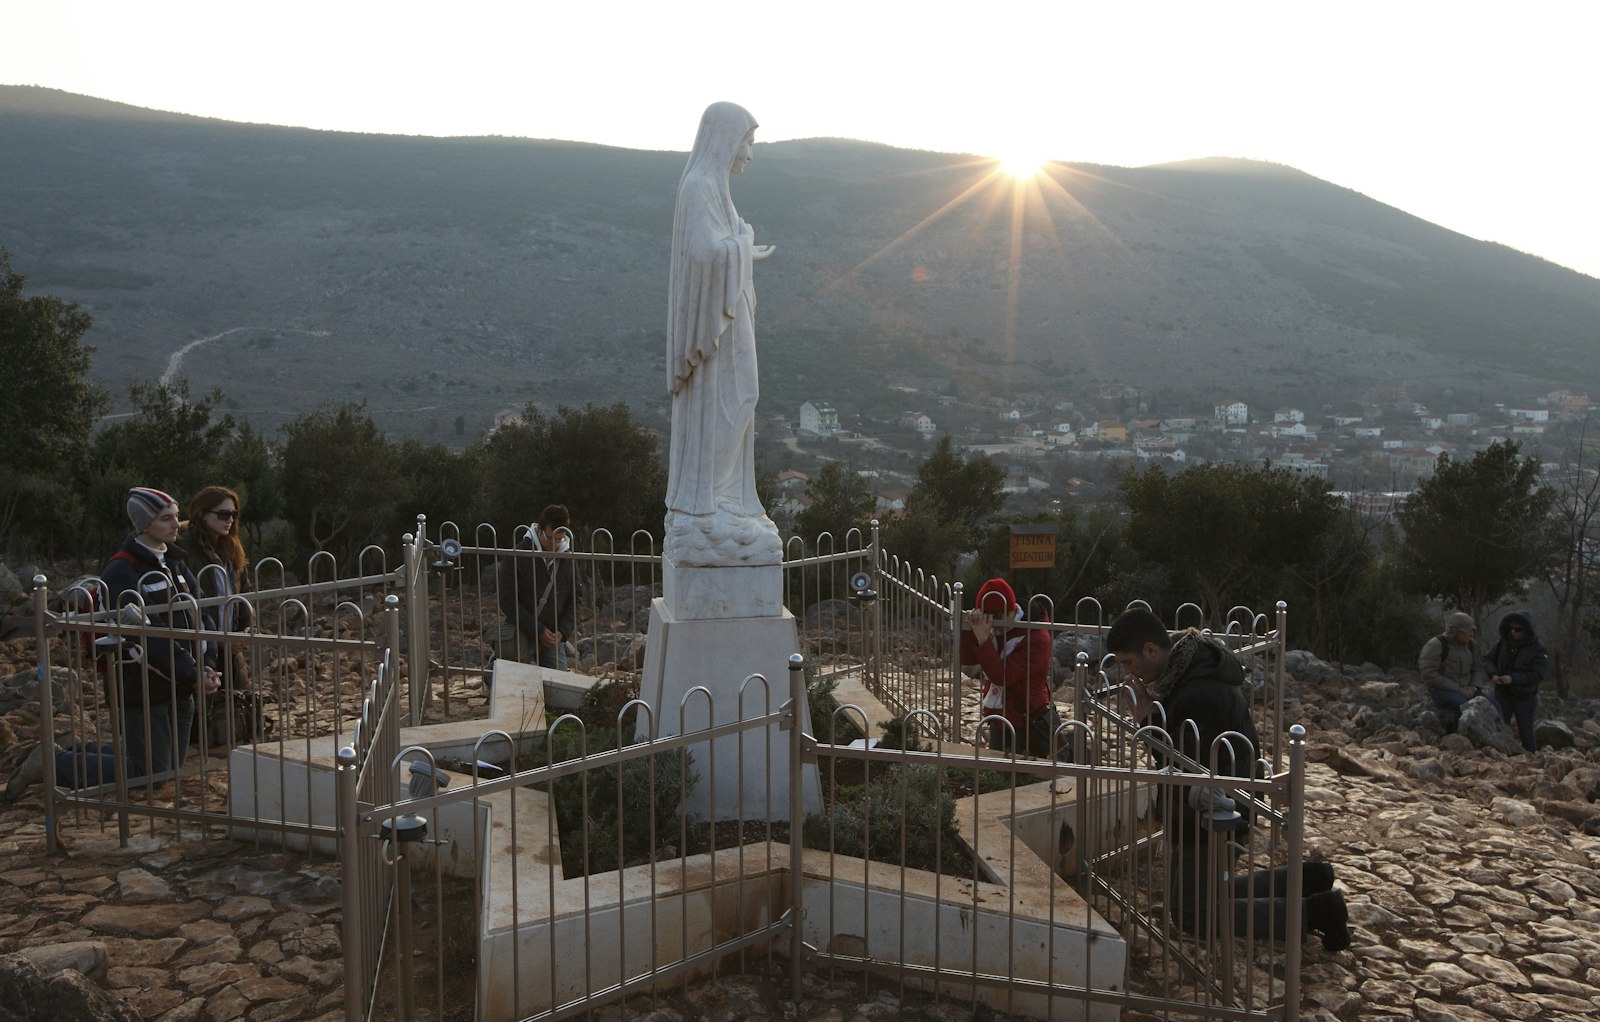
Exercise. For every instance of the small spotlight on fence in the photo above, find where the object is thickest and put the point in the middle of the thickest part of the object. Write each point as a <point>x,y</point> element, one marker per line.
<point>449,551</point>
<point>861,587</point>
<point>426,780</point>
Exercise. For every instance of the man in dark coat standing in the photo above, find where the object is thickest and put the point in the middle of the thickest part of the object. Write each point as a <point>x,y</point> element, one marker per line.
<point>1516,665</point>
<point>539,590</point>
<point>1193,687</point>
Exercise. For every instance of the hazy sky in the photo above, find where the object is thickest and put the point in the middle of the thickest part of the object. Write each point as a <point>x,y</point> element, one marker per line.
<point>1477,116</point>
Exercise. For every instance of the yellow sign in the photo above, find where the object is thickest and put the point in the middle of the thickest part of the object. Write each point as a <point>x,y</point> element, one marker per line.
<point>1033,546</point>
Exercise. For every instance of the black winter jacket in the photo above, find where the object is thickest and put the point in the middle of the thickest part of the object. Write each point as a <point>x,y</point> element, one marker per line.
<point>530,600</point>
<point>1209,693</point>
<point>1526,661</point>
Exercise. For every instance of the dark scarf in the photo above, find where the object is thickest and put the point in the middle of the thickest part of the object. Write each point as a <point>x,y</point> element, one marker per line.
<point>1178,660</point>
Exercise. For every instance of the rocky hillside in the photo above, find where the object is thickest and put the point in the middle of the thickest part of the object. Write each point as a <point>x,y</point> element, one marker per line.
<point>1472,873</point>
<point>1473,879</point>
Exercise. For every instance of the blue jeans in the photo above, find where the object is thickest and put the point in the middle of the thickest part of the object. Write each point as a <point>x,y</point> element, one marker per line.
<point>553,657</point>
<point>94,763</point>
<point>1448,703</point>
<point>1523,708</point>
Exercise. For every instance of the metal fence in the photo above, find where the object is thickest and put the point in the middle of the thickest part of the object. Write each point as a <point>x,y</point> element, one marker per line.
<point>294,684</point>
<point>474,603</point>
<point>339,664</point>
<point>945,872</point>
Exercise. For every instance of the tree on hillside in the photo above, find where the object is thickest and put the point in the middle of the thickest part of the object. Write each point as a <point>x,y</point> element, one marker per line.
<point>958,491</point>
<point>341,483</point>
<point>445,485</point>
<point>50,405</point>
<point>598,461</point>
<point>1195,525</point>
<point>1231,535</point>
<point>1087,547</point>
<point>1576,511</point>
<point>947,510</point>
<point>1476,532</point>
<point>172,441</point>
<point>249,465</point>
<point>840,501</point>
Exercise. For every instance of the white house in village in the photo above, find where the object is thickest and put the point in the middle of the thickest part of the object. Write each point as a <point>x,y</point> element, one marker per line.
<point>1233,413</point>
<point>818,418</point>
<point>919,422</point>
<point>1288,415</point>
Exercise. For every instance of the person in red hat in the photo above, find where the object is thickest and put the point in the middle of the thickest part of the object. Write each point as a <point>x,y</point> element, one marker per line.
<point>1016,672</point>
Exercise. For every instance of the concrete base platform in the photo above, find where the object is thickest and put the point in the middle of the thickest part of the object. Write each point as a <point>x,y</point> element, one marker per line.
<point>546,939</point>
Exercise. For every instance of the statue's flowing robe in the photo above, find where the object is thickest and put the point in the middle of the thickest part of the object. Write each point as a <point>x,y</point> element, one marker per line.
<point>711,340</point>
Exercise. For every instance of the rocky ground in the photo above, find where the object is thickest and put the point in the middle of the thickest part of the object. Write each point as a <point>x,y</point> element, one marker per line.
<point>1471,876</point>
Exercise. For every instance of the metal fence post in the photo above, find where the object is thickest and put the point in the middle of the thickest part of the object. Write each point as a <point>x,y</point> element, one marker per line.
<point>1084,751</point>
<point>352,931</point>
<point>1295,937</point>
<point>797,822</point>
<point>416,594</point>
<point>1278,680</point>
<point>875,613</point>
<point>47,711</point>
<point>954,731</point>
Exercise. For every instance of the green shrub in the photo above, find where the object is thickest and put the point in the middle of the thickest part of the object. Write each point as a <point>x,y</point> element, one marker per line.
<point>626,822</point>
<point>903,817</point>
<point>830,728</point>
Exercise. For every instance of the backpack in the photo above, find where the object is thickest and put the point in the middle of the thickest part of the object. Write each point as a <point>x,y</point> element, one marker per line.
<point>1444,649</point>
<point>236,718</point>
<point>84,599</point>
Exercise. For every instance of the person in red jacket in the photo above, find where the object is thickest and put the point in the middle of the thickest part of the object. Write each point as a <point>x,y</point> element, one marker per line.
<point>1016,672</point>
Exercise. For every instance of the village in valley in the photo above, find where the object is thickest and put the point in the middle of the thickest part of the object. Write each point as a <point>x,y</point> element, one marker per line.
<point>1373,451</point>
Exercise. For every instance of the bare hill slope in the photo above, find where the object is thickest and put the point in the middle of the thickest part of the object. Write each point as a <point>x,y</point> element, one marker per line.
<point>445,277</point>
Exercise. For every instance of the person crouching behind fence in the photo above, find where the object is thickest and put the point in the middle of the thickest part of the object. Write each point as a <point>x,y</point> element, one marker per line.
<point>1016,672</point>
<point>148,581</point>
<point>1198,683</point>
<point>539,594</point>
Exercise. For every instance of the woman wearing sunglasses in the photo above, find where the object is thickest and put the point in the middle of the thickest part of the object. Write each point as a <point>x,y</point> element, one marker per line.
<point>210,546</point>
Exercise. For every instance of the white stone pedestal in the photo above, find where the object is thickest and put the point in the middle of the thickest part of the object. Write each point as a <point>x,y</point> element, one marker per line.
<point>723,591</point>
<point>719,655</point>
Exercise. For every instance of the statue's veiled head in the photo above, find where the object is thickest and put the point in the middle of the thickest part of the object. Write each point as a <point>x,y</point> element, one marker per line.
<point>723,143</point>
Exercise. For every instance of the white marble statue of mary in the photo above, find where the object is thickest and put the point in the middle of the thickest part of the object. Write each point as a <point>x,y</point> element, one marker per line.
<point>713,514</point>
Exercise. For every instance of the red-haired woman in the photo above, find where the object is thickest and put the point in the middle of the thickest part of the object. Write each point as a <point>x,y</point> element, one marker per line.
<point>210,546</point>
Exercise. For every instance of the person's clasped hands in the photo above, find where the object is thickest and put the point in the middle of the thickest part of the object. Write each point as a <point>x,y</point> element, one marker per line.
<point>980,624</point>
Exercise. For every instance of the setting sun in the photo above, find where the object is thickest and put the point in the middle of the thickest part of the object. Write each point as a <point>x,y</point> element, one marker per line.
<point>1022,165</point>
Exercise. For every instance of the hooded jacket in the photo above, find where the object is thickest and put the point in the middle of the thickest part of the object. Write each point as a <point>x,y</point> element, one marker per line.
<point>1017,661</point>
<point>539,591</point>
<point>1204,687</point>
<point>1526,662</point>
